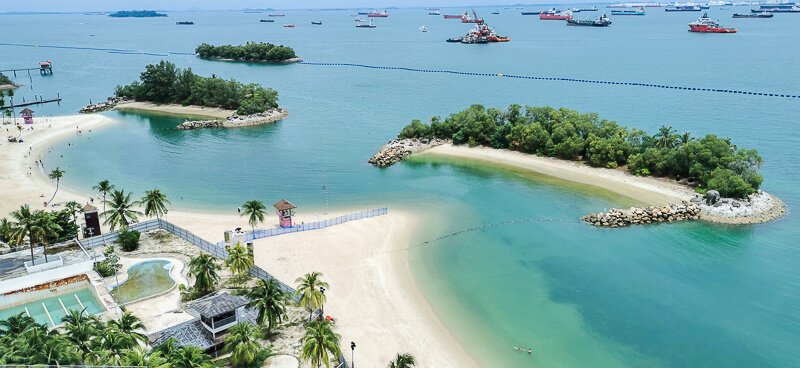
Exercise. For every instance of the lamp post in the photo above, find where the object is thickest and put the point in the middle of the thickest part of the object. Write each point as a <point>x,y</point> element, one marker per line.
<point>352,352</point>
<point>322,307</point>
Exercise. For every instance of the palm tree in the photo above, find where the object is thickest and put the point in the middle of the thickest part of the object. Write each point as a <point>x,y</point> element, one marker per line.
<point>104,187</point>
<point>155,203</point>
<point>191,357</point>
<point>686,137</point>
<point>141,357</point>
<point>664,137</point>
<point>16,324</point>
<point>81,330</point>
<point>26,221</point>
<point>121,210</point>
<point>6,231</point>
<point>204,269</point>
<point>44,229</point>
<point>56,175</point>
<point>320,344</point>
<point>74,208</point>
<point>240,260</point>
<point>256,211</point>
<point>241,343</point>
<point>270,300</point>
<point>309,290</point>
<point>402,361</point>
<point>128,324</point>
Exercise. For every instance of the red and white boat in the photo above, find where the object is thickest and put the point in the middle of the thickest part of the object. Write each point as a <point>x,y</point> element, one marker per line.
<point>556,15</point>
<point>290,25</point>
<point>705,24</point>
<point>466,18</point>
<point>376,14</point>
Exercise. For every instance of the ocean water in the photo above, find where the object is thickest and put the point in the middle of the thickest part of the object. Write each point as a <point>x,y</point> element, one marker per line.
<point>689,294</point>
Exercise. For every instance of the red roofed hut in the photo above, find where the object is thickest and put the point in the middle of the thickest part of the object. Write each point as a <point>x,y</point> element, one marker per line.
<point>27,116</point>
<point>285,213</point>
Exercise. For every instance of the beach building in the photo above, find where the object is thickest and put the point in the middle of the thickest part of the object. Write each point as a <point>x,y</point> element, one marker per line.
<point>285,211</point>
<point>27,116</point>
<point>91,225</point>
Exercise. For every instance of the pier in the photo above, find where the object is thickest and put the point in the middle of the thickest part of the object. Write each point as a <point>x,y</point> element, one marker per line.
<point>37,102</point>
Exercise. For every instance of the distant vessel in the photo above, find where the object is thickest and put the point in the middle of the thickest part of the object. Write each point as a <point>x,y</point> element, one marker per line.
<point>706,6</point>
<point>256,11</point>
<point>454,39</point>
<point>578,10</point>
<point>435,12</point>
<point>277,15</point>
<point>778,8</point>
<point>602,21</point>
<point>706,25</point>
<point>423,29</point>
<point>556,15</point>
<point>318,22</point>
<point>754,15</point>
<point>290,25</point>
<point>637,11</point>
<point>615,6</point>
<point>266,21</point>
<point>447,16</point>
<point>370,25</point>
<point>682,8</point>
<point>363,13</point>
<point>375,14</point>
<point>480,34</point>
<point>537,12</point>
<point>466,18</point>
<point>359,19</point>
<point>184,23</point>
<point>496,12</point>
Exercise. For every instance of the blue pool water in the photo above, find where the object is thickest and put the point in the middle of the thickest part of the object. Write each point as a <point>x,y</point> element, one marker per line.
<point>56,306</point>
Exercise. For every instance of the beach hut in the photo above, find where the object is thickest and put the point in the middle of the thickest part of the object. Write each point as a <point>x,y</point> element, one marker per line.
<point>92,226</point>
<point>27,115</point>
<point>284,212</point>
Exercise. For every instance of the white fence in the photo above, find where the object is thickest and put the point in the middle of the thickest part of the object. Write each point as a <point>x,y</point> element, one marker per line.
<point>315,225</point>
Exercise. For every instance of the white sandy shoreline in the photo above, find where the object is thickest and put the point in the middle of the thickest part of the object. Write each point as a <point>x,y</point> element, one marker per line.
<point>373,294</point>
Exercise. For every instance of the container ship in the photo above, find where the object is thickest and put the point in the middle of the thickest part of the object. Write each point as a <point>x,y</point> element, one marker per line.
<point>556,16</point>
<point>637,11</point>
<point>376,14</point>
<point>706,25</point>
<point>602,21</point>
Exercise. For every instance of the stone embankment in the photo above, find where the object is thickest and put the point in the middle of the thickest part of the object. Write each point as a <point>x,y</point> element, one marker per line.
<point>236,121</point>
<point>396,150</point>
<point>643,215</point>
<point>110,103</point>
<point>757,208</point>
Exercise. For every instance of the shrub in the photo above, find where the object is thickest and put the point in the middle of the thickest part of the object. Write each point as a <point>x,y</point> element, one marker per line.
<point>129,240</point>
<point>108,266</point>
<point>729,184</point>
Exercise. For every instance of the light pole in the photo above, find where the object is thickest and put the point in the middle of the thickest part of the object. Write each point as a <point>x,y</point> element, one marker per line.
<point>352,352</point>
<point>322,306</point>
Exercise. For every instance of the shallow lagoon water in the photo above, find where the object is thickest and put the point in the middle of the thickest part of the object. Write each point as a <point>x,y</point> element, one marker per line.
<point>689,294</point>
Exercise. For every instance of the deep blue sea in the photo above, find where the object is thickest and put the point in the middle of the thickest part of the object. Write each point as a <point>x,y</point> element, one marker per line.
<point>681,295</point>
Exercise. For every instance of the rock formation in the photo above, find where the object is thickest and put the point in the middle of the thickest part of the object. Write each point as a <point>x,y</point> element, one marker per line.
<point>643,215</point>
<point>396,150</point>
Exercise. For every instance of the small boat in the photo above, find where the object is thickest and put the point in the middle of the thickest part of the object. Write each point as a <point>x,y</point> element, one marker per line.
<point>267,21</point>
<point>435,12</point>
<point>682,8</point>
<point>277,15</point>
<point>706,6</point>
<point>290,25</point>
<point>454,39</point>
<point>637,11</point>
<point>423,29</point>
<point>370,25</point>
<point>317,23</point>
<point>754,15</point>
<point>706,25</point>
<point>496,12</point>
<point>556,15</point>
<point>184,23</point>
<point>375,14</point>
<point>603,21</point>
<point>358,19</point>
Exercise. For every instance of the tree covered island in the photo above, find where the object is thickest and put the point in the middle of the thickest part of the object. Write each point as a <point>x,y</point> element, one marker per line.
<point>715,163</point>
<point>251,52</point>
<point>136,14</point>
<point>164,83</point>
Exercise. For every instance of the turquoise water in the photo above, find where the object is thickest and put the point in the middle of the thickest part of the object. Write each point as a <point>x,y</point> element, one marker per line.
<point>144,279</point>
<point>55,308</point>
<point>689,294</point>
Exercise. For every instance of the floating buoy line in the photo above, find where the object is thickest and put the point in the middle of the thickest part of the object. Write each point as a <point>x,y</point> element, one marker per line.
<point>486,226</point>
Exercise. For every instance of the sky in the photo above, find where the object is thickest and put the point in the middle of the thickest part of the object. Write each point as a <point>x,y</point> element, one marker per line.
<point>178,5</point>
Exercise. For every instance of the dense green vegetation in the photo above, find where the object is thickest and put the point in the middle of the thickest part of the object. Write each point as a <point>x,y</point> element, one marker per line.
<point>38,227</point>
<point>250,52</point>
<point>136,14</point>
<point>166,83</point>
<point>5,80</point>
<point>714,162</point>
<point>129,240</point>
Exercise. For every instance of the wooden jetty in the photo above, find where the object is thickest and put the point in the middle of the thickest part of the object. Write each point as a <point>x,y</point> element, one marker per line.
<point>44,68</point>
<point>58,99</point>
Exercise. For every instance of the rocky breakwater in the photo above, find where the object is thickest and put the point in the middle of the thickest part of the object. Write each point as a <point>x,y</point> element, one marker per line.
<point>236,121</point>
<point>396,150</point>
<point>110,103</point>
<point>643,215</point>
<point>757,208</point>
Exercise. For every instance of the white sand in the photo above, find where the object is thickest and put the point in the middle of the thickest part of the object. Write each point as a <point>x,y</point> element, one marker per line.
<point>213,112</point>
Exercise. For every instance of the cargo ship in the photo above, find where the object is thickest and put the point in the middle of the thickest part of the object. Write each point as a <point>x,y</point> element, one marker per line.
<point>602,21</point>
<point>277,15</point>
<point>578,10</point>
<point>376,14</point>
<point>637,11</point>
<point>466,18</point>
<point>706,25</point>
<point>556,15</point>
<point>447,16</point>
<point>481,33</point>
<point>777,9</point>
<point>534,12</point>
<point>682,8</point>
<point>370,25</point>
<point>266,21</point>
<point>754,15</point>
<point>186,23</point>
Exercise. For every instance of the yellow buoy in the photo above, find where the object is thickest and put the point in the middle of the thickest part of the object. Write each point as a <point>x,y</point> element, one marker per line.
<point>499,75</point>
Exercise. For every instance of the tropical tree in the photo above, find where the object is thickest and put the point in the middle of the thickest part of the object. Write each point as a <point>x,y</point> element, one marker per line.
<point>256,210</point>
<point>128,324</point>
<point>44,229</point>
<point>403,361</point>
<point>685,138</point>
<point>6,231</point>
<point>104,187</point>
<point>15,325</point>
<point>26,222</point>
<point>74,208</point>
<point>191,357</point>
<point>56,175</point>
<point>155,203</point>
<point>121,212</point>
<point>270,301</point>
<point>308,289</point>
<point>320,344</point>
<point>240,260</point>
<point>241,343</point>
<point>81,330</point>
<point>204,269</point>
<point>664,137</point>
<point>141,357</point>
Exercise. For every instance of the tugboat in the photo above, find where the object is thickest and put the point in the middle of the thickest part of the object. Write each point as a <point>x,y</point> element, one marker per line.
<point>481,33</point>
<point>603,21</point>
<point>554,15</point>
<point>706,25</point>
<point>754,15</point>
<point>375,14</point>
<point>637,11</point>
<point>370,25</point>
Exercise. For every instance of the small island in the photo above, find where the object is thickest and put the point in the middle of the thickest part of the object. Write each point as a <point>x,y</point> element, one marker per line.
<point>724,173</point>
<point>136,14</point>
<point>252,52</point>
<point>167,88</point>
<point>7,83</point>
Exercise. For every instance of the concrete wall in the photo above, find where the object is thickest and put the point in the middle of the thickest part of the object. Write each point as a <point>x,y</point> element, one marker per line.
<point>44,291</point>
<point>39,278</point>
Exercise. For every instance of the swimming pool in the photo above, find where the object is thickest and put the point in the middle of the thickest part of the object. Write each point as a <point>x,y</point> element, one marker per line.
<point>49,311</point>
<point>144,279</point>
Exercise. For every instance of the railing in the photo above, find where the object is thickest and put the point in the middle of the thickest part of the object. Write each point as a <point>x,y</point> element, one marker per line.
<point>111,237</point>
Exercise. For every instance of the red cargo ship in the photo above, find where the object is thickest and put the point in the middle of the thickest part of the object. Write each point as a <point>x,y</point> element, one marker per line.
<point>555,16</point>
<point>705,24</point>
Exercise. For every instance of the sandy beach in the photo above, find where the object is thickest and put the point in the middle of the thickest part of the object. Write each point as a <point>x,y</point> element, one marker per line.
<point>373,295</point>
<point>199,111</point>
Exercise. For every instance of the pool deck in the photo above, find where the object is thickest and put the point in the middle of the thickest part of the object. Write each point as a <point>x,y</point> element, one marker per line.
<point>12,264</point>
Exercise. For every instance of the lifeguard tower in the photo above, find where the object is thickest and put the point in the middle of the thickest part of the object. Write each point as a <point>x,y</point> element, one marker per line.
<point>27,116</point>
<point>284,212</point>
